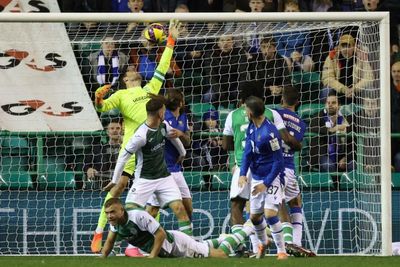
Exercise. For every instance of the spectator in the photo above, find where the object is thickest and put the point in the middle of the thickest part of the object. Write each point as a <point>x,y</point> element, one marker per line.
<point>162,5</point>
<point>106,65</point>
<point>209,149</point>
<point>299,63</point>
<point>135,6</point>
<point>288,37</point>
<point>100,163</point>
<point>393,6</point>
<point>395,113</point>
<point>366,122</point>
<point>345,73</point>
<point>226,65</point>
<point>330,151</point>
<point>271,69</point>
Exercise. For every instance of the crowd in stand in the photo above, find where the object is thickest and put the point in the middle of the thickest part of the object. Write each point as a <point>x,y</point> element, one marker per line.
<point>330,67</point>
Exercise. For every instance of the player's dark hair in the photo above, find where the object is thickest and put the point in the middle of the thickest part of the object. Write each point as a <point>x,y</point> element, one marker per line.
<point>256,106</point>
<point>290,95</point>
<point>332,93</point>
<point>250,88</point>
<point>155,103</point>
<point>116,120</point>
<point>268,40</point>
<point>174,98</point>
<point>112,201</point>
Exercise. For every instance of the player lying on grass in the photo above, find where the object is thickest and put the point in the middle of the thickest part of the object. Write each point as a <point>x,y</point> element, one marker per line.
<point>140,229</point>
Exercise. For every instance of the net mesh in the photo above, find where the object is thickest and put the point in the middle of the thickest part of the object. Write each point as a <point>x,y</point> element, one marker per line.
<point>50,199</point>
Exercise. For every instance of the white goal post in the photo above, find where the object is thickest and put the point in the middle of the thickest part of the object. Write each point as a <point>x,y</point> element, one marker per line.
<point>384,69</point>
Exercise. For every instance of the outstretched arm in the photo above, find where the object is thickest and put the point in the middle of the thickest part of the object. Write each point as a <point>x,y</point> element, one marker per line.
<point>156,82</point>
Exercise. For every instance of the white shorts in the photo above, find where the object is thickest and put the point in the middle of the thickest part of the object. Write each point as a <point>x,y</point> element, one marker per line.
<point>271,198</point>
<point>185,246</point>
<point>142,189</point>
<point>291,189</point>
<point>183,188</point>
<point>236,191</point>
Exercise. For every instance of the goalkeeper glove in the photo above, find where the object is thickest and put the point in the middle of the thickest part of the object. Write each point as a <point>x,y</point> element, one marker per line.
<point>174,30</point>
<point>100,94</point>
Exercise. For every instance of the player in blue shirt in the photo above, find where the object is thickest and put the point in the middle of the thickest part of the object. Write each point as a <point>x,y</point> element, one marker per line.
<point>263,155</point>
<point>177,119</point>
<point>293,226</point>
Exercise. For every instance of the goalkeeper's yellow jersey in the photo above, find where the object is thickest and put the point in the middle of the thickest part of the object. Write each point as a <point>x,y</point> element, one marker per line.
<point>131,102</point>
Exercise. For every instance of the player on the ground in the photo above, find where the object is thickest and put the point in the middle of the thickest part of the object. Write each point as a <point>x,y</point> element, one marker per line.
<point>140,229</point>
<point>131,103</point>
<point>293,226</point>
<point>263,156</point>
<point>234,139</point>
<point>151,174</point>
<point>177,119</point>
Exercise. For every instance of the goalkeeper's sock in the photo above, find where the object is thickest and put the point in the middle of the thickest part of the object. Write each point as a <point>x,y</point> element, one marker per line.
<point>296,217</point>
<point>277,235</point>
<point>287,232</point>
<point>185,227</point>
<point>102,222</point>
<point>231,242</point>
<point>259,228</point>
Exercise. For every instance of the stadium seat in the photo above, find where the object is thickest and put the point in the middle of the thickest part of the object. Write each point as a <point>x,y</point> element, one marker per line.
<point>198,109</point>
<point>358,180</point>
<point>15,180</point>
<point>55,176</point>
<point>13,145</point>
<point>318,180</point>
<point>219,180</point>
<point>306,111</point>
<point>396,180</point>
<point>14,163</point>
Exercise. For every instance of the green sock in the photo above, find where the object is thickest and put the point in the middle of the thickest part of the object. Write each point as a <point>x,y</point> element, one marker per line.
<point>102,222</point>
<point>230,243</point>
<point>213,243</point>
<point>185,227</point>
<point>287,230</point>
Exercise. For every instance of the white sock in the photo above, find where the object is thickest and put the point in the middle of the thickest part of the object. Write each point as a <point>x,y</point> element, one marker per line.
<point>259,228</point>
<point>277,234</point>
<point>254,243</point>
<point>296,218</point>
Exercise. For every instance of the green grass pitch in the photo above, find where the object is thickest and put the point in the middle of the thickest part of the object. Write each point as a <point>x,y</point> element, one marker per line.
<point>78,261</point>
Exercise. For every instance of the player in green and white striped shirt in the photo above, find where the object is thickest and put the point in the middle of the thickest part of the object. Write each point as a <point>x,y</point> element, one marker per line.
<point>141,230</point>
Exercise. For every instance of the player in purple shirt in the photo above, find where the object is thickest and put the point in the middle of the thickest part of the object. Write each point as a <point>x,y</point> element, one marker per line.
<point>293,225</point>
<point>177,119</point>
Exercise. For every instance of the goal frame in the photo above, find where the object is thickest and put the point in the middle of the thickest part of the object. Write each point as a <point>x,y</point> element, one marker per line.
<point>384,65</point>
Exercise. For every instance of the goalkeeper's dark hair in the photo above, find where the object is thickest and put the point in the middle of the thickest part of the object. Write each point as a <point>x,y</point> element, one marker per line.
<point>290,95</point>
<point>256,105</point>
<point>251,88</point>
<point>174,98</point>
<point>155,103</point>
<point>112,201</point>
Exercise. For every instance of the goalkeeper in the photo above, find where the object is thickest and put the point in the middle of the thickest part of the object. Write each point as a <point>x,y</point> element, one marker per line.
<point>132,105</point>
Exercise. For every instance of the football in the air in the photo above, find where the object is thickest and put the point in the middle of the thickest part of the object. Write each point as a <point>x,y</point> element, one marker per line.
<point>155,33</point>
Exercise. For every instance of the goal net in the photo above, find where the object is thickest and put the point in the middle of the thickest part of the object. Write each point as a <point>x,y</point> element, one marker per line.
<point>57,153</point>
